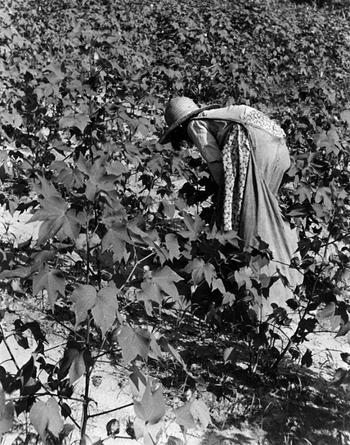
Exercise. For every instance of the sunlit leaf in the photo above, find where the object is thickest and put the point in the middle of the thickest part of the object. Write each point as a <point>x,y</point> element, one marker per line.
<point>105,308</point>
<point>55,425</point>
<point>80,121</point>
<point>57,219</point>
<point>51,280</point>
<point>184,417</point>
<point>77,368</point>
<point>84,298</point>
<point>151,407</point>
<point>133,342</point>
<point>345,116</point>
<point>229,354</point>
<point>172,245</point>
<point>158,282</point>
<point>45,417</point>
<point>200,412</point>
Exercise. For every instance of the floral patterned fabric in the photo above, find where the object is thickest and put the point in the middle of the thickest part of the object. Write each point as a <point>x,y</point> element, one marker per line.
<point>258,119</point>
<point>235,157</point>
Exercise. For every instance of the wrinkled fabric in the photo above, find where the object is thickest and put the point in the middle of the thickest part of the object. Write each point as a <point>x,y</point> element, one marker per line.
<point>260,215</point>
<point>235,159</point>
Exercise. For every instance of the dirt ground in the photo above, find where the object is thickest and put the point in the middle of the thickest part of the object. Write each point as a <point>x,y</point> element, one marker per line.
<point>322,407</point>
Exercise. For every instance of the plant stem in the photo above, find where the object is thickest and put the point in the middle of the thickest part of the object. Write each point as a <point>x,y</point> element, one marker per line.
<point>116,437</point>
<point>87,252</point>
<point>85,414</point>
<point>313,292</point>
<point>9,349</point>
<point>135,266</point>
<point>71,417</point>
<point>111,410</point>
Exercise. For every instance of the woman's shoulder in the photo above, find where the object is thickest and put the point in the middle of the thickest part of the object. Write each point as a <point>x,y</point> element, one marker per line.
<point>231,112</point>
<point>245,115</point>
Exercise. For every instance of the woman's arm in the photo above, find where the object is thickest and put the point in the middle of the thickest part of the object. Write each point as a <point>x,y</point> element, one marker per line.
<point>208,148</point>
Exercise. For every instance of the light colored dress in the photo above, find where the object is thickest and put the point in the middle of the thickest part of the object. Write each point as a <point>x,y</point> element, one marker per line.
<point>250,149</point>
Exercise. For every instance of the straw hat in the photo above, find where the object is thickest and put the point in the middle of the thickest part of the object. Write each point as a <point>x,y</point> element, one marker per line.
<point>178,111</point>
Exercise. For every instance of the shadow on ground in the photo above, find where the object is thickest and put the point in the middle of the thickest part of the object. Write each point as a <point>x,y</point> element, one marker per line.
<point>248,405</point>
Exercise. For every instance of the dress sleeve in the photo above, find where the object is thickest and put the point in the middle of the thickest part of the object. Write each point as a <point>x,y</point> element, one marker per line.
<point>204,140</point>
<point>208,148</point>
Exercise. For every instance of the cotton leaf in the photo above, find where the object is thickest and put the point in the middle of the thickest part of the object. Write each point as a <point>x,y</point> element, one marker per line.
<point>139,428</point>
<point>242,277</point>
<point>229,354</point>
<point>66,430</point>
<point>150,292</point>
<point>70,226</point>
<point>176,355</point>
<point>184,417</point>
<point>39,418</point>
<point>196,268</point>
<point>9,438</point>
<point>200,412</point>
<point>84,298</point>
<point>194,226</point>
<point>306,359</point>
<point>105,308</point>
<point>80,120</point>
<point>339,376</point>
<point>156,283</point>
<point>116,168</point>
<point>133,343</point>
<point>115,241</point>
<point>172,245</point>
<point>138,382</point>
<point>14,118</point>
<point>6,413</point>
<point>151,407</point>
<point>57,219</point>
<point>19,272</point>
<point>345,357</point>
<point>218,284</point>
<point>336,321</point>
<point>55,425</point>
<point>172,440</point>
<point>209,273</point>
<point>165,279</point>
<point>228,298</point>
<point>344,329</point>
<point>52,208</point>
<point>326,312</point>
<point>155,351</point>
<point>65,363</point>
<point>345,116</point>
<point>324,196</point>
<point>51,280</point>
<point>77,368</point>
<point>113,428</point>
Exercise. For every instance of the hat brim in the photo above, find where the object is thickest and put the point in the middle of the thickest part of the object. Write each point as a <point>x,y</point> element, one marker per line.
<point>166,135</point>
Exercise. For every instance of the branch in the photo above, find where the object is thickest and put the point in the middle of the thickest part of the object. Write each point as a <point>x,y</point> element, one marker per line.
<point>9,349</point>
<point>111,410</point>
<point>134,268</point>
